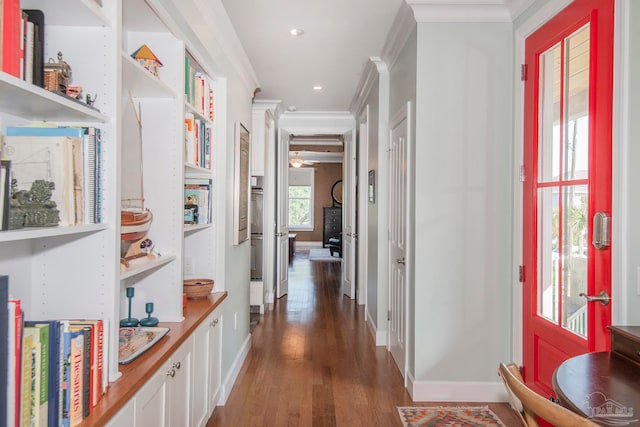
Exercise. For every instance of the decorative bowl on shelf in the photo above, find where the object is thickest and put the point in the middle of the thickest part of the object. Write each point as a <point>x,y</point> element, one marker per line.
<point>197,288</point>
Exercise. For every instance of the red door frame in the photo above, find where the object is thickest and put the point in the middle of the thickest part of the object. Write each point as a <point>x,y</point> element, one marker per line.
<point>600,15</point>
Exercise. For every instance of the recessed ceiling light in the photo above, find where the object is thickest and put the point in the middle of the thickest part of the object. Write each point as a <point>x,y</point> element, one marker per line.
<point>291,108</point>
<point>296,32</point>
<point>317,87</point>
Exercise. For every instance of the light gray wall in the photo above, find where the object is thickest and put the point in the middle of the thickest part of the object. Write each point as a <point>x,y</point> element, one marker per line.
<point>463,200</point>
<point>372,101</point>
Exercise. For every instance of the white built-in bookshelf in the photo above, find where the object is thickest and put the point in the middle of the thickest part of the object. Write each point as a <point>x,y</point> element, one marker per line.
<point>75,272</point>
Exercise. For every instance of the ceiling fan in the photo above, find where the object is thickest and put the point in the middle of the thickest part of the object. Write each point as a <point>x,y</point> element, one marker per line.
<point>296,161</point>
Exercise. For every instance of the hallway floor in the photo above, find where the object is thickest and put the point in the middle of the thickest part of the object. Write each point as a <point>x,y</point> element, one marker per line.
<point>314,363</point>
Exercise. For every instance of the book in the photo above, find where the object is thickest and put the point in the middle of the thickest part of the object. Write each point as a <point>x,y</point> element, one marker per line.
<point>14,355</point>
<point>28,49</point>
<point>89,175</point>
<point>26,377</point>
<point>11,42</point>
<point>97,361</point>
<point>37,18</point>
<point>53,154</point>
<point>135,341</point>
<point>87,363</point>
<point>5,193</point>
<point>40,388</point>
<point>68,342</point>
<point>4,345</point>
<point>53,380</point>
<point>76,377</point>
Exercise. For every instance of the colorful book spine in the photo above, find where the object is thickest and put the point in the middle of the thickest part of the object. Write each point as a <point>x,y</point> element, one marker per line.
<point>53,381</point>
<point>11,33</point>
<point>15,365</point>
<point>87,364</point>
<point>76,379</point>
<point>40,388</point>
<point>26,378</point>
<point>4,346</point>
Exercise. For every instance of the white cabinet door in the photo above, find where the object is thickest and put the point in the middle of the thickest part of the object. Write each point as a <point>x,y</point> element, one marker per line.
<point>125,416</point>
<point>200,380</point>
<point>215,360</point>
<point>151,401</point>
<point>179,386</point>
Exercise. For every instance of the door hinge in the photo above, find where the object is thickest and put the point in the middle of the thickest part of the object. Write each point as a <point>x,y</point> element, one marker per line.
<point>524,72</point>
<point>521,274</point>
<point>388,315</point>
<point>522,175</point>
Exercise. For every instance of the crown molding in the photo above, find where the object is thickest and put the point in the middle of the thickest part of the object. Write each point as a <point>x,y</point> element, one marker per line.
<point>467,10</point>
<point>401,29</point>
<point>316,122</point>
<point>373,68</point>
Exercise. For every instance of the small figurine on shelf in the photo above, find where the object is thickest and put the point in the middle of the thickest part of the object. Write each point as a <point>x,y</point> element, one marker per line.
<point>33,207</point>
<point>147,59</point>
<point>57,75</point>
<point>149,321</point>
<point>129,321</point>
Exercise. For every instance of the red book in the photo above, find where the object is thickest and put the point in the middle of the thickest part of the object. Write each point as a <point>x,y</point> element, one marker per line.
<point>11,40</point>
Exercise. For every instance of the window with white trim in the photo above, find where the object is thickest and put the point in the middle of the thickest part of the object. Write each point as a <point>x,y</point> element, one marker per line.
<point>301,198</point>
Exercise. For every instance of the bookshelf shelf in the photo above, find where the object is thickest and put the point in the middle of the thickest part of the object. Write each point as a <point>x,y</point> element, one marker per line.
<point>85,13</point>
<point>32,102</point>
<point>143,83</point>
<point>191,109</point>
<point>188,228</point>
<point>37,233</point>
<point>141,265</point>
<point>193,171</point>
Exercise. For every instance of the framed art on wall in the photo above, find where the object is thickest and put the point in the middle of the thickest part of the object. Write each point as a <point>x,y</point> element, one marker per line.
<point>241,185</point>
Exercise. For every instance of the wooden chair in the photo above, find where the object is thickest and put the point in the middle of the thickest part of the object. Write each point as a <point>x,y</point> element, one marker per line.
<point>533,405</point>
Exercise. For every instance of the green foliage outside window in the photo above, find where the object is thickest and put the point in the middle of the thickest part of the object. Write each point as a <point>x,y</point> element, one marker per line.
<point>299,205</point>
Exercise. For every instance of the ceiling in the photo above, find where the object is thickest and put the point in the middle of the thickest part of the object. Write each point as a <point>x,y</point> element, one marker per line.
<point>339,37</point>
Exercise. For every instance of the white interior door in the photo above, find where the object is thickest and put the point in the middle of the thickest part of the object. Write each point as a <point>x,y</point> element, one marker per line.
<point>363,205</point>
<point>349,215</point>
<point>282,223</point>
<point>398,237</point>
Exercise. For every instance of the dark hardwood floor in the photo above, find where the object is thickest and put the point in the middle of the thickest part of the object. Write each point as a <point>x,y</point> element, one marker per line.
<point>314,363</point>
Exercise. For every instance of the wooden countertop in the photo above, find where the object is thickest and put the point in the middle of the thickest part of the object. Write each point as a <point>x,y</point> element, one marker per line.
<point>138,372</point>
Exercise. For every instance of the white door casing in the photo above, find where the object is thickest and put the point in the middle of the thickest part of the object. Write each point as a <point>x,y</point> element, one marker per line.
<point>363,201</point>
<point>282,224</point>
<point>349,215</point>
<point>398,224</point>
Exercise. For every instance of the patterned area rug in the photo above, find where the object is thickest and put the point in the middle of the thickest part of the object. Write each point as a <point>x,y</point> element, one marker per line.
<point>449,416</point>
<point>323,255</point>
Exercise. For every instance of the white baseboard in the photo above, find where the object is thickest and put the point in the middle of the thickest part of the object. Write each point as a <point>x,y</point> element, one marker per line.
<point>456,391</point>
<point>409,384</point>
<point>230,380</point>
<point>380,337</point>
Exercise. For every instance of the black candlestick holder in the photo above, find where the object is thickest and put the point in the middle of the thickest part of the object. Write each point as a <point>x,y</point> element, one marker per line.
<point>129,321</point>
<point>149,321</point>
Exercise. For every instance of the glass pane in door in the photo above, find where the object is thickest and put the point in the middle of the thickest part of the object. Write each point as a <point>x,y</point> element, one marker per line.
<point>549,114</point>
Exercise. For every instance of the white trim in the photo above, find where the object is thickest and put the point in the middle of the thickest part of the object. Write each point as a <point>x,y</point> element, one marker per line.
<point>468,10</point>
<point>622,191</point>
<point>232,376</point>
<point>362,219</point>
<point>316,122</point>
<point>368,78</point>
<point>457,391</point>
<point>403,25</point>
<point>380,337</point>
<point>409,383</point>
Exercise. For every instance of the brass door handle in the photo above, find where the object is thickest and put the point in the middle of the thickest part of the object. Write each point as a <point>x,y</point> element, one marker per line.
<point>401,261</point>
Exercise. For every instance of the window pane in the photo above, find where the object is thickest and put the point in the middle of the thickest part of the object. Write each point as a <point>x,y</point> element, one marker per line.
<point>576,146</point>
<point>575,237</point>
<point>299,212</point>
<point>549,119</point>
<point>300,191</point>
<point>549,261</point>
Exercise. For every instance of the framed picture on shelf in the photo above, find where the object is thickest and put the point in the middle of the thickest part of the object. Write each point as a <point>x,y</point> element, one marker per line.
<point>241,185</point>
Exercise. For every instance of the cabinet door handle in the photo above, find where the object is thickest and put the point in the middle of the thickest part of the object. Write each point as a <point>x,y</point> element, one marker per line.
<point>176,365</point>
<point>215,322</point>
<point>171,373</point>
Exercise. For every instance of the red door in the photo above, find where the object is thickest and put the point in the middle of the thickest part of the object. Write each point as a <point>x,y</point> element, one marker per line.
<point>567,188</point>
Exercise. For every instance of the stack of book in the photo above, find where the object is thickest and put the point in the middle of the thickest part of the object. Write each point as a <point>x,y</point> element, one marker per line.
<point>54,372</point>
<point>197,201</point>
<point>69,157</point>
<point>197,142</point>
<point>22,41</point>
<point>198,91</point>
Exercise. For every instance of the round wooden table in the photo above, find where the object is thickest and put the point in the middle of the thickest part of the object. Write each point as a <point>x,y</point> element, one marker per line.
<point>602,386</point>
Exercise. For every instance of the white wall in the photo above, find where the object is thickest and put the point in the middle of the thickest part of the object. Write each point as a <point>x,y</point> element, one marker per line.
<point>463,202</point>
<point>220,49</point>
